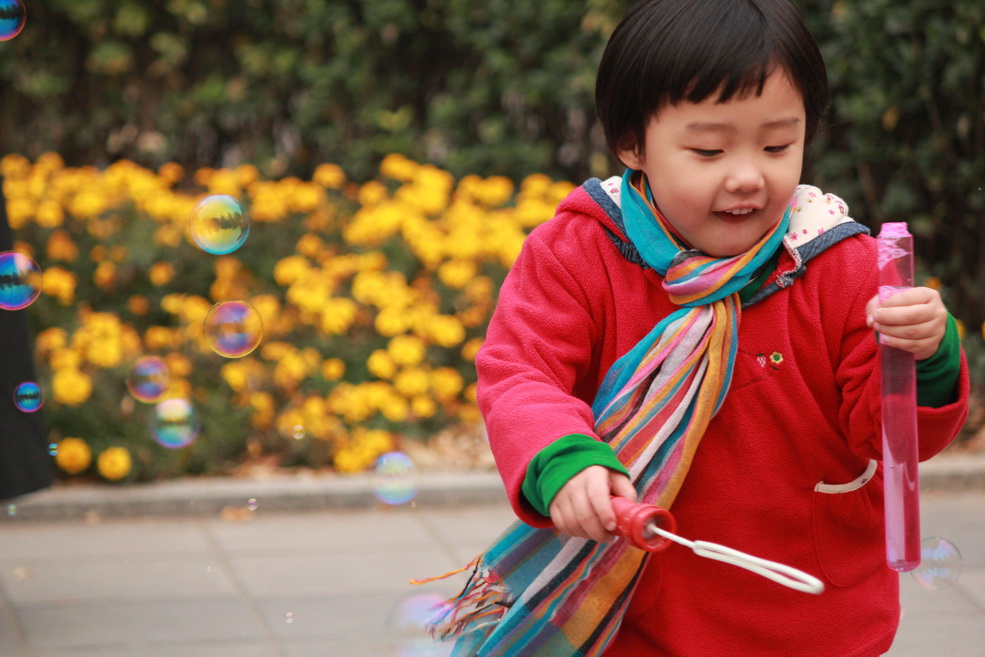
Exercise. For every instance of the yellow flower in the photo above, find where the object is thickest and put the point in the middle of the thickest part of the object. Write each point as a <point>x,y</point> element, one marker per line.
<point>338,315</point>
<point>395,409</point>
<point>73,456</point>
<point>333,369</point>
<point>167,236</point>
<point>51,339</point>
<point>310,245</point>
<point>71,387</point>
<point>49,214</point>
<point>371,193</point>
<point>114,463</point>
<point>246,174</point>
<point>471,348</point>
<point>63,358</point>
<point>329,175</point>
<point>275,350</point>
<point>159,337</point>
<point>406,349</point>
<point>290,269</point>
<point>262,404</point>
<point>61,247</point>
<point>457,273</point>
<point>138,305</point>
<point>381,365</point>
<point>423,406</point>
<point>105,274</point>
<point>446,383</point>
<point>493,191</point>
<point>60,283</point>
<point>411,382</point>
<point>171,172</point>
<point>161,273</point>
<point>290,371</point>
<point>398,167</point>
<point>14,166</point>
<point>445,330</point>
<point>178,365</point>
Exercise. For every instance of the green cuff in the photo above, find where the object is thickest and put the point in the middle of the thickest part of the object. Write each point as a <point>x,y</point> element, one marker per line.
<point>937,376</point>
<point>557,463</point>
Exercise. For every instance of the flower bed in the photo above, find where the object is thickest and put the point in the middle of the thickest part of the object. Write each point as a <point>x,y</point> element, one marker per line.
<point>374,299</point>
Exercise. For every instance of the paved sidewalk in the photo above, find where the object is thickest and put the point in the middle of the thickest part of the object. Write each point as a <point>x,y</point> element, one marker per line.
<point>237,574</point>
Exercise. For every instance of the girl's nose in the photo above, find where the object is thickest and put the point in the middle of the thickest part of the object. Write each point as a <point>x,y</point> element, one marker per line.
<point>745,176</point>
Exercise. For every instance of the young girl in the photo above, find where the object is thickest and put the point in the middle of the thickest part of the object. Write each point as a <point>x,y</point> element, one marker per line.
<point>700,334</point>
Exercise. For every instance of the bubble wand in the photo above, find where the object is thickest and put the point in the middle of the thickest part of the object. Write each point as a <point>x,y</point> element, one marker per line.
<point>899,411</point>
<point>651,528</point>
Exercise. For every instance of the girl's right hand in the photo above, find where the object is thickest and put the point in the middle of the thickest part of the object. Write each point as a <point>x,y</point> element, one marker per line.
<point>583,507</point>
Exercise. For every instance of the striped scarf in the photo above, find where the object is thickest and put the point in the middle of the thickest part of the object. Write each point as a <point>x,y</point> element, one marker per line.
<point>539,592</point>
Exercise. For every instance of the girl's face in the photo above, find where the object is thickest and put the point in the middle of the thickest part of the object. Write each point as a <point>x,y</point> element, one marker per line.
<point>724,173</point>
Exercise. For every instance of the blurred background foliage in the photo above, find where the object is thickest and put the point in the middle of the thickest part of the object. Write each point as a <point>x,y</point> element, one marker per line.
<point>492,88</point>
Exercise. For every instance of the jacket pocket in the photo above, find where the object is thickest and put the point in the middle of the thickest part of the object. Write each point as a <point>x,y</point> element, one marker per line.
<point>847,524</point>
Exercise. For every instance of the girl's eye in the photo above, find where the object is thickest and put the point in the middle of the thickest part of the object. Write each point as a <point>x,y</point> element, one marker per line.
<point>705,152</point>
<point>776,149</point>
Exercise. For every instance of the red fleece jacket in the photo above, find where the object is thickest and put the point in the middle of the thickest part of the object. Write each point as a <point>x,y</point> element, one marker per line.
<point>800,419</point>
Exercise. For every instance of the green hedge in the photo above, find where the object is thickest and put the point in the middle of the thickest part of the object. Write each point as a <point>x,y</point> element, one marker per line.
<point>492,87</point>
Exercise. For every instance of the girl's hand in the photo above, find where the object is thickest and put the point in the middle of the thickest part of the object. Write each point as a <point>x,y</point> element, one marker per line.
<point>582,507</point>
<point>913,320</point>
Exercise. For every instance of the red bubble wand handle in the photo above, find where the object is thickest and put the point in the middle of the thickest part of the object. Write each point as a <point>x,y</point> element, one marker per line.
<point>899,411</point>
<point>651,528</point>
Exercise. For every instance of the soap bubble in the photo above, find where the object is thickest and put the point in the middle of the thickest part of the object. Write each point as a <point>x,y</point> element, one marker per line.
<point>395,478</point>
<point>13,16</point>
<point>20,279</point>
<point>940,563</point>
<point>407,625</point>
<point>175,423</point>
<point>148,379</point>
<point>218,224</point>
<point>28,397</point>
<point>52,449</point>
<point>233,328</point>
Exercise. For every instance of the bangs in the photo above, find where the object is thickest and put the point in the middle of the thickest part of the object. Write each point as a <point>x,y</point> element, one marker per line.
<point>667,52</point>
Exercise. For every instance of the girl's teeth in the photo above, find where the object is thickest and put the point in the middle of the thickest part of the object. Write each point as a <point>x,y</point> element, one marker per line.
<point>742,211</point>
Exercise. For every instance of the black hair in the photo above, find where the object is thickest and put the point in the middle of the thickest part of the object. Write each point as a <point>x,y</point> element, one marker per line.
<point>665,52</point>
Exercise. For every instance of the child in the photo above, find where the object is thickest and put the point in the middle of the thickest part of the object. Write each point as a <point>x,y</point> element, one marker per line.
<point>700,334</point>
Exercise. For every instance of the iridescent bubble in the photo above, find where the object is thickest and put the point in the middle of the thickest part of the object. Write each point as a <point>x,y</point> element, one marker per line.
<point>218,224</point>
<point>252,504</point>
<point>233,328</point>
<point>28,397</point>
<point>13,16</point>
<point>175,423</point>
<point>20,279</point>
<point>940,563</point>
<point>298,432</point>
<point>11,510</point>
<point>395,478</point>
<point>407,625</point>
<point>52,449</point>
<point>148,379</point>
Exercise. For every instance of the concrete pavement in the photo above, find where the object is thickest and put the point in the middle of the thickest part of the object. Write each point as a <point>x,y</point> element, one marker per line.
<point>238,573</point>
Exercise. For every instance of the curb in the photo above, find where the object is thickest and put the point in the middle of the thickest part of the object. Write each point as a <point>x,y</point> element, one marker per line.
<point>210,496</point>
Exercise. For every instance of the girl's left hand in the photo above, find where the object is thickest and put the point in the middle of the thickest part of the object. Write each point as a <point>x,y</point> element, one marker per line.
<point>913,320</point>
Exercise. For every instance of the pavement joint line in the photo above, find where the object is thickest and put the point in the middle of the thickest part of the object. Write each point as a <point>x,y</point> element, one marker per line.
<point>249,601</point>
<point>282,492</point>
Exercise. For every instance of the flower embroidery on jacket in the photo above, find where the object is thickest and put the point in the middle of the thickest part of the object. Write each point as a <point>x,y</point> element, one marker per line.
<point>772,361</point>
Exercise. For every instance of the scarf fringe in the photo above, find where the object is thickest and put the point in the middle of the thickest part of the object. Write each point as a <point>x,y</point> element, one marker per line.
<point>480,605</point>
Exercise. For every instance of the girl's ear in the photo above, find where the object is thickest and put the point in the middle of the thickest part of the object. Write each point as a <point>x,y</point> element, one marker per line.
<point>629,152</point>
